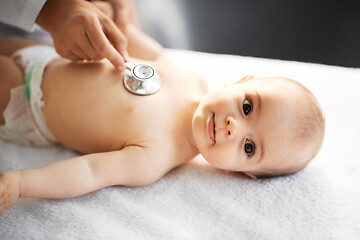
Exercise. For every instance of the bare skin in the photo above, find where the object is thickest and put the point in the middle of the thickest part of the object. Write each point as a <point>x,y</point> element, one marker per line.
<point>133,141</point>
<point>122,135</point>
<point>81,30</point>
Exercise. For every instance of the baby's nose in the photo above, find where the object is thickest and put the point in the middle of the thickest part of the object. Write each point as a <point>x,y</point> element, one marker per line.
<point>231,127</point>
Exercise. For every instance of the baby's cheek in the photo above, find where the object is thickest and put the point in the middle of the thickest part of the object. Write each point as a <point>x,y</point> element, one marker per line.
<point>220,157</point>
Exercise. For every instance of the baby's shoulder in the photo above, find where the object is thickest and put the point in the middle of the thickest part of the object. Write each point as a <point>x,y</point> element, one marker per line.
<point>181,77</point>
<point>168,153</point>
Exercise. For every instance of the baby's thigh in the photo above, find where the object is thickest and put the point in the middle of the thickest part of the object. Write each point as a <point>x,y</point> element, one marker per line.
<point>10,76</point>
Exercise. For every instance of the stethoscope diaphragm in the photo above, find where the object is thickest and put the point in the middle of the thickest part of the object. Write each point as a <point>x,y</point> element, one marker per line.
<point>141,79</point>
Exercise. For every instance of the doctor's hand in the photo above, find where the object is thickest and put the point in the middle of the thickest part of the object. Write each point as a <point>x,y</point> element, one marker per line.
<point>81,31</point>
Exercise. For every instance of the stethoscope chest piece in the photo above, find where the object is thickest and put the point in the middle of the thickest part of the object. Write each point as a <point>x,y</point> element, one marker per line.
<point>142,79</point>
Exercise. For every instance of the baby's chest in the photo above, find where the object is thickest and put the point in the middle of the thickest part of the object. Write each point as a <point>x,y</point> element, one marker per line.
<point>146,117</point>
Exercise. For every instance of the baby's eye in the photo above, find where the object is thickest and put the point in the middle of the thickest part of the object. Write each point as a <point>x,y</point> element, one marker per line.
<point>249,147</point>
<point>247,107</point>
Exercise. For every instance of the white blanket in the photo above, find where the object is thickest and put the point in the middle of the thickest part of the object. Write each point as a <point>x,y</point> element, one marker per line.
<point>198,202</point>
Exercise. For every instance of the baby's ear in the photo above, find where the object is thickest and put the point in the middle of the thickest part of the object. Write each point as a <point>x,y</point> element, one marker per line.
<point>246,78</point>
<point>250,175</point>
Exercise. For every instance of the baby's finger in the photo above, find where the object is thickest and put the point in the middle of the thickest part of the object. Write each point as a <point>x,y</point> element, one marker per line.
<point>3,210</point>
<point>3,205</point>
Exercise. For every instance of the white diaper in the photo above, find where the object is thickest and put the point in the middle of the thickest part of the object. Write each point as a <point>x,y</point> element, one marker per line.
<point>24,119</point>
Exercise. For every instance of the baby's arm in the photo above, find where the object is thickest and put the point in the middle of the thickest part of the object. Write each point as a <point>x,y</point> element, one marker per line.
<point>141,45</point>
<point>131,166</point>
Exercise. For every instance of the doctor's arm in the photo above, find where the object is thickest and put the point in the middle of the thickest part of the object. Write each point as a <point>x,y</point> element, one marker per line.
<point>130,166</point>
<point>20,13</point>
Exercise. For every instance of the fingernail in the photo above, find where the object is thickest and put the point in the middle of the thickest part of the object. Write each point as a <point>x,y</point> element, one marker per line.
<point>120,68</point>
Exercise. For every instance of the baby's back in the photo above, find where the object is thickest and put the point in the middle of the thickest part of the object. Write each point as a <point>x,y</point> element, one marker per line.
<point>88,109</point>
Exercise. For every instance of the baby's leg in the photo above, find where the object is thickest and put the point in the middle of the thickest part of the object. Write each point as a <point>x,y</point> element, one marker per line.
<point>10,77</point>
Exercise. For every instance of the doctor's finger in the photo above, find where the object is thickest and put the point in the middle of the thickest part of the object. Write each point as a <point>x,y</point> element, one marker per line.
<point>64,50</point>
<point>68,55</point>
<point>76,50</point>
<point>116,37</point>
<point>72,56</point>
<point>104,48</point>
<point>87,48</point>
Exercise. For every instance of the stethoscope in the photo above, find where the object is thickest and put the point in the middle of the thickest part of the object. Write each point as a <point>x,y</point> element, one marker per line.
<point>142,79</point>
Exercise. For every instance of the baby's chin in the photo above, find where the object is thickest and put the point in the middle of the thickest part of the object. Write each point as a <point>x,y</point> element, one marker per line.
<point>216,163</point>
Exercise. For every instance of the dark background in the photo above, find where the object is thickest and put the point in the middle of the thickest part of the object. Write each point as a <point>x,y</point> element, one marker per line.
<point>325,32</point>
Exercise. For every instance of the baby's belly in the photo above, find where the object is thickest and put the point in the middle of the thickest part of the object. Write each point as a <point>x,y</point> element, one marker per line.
<point>85,106</point>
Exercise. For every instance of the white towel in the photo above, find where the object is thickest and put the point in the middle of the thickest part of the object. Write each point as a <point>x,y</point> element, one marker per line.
<point>197,201</point>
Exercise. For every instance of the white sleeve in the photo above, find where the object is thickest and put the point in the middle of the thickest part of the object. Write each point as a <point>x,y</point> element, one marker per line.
<point>20,13</point>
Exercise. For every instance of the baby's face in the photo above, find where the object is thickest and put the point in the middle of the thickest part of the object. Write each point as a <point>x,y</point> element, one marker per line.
<point>247,126</point>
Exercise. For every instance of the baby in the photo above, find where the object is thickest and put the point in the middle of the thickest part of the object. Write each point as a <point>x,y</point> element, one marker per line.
<point>258,126</point>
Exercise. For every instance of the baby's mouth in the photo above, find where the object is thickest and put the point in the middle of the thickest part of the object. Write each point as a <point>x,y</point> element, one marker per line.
<point>211,129</point>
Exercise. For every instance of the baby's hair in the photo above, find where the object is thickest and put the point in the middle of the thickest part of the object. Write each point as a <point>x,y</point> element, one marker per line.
<point>309,134</point>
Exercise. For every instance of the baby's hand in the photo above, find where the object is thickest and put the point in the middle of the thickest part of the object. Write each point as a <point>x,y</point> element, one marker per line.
<point>9,190</point>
